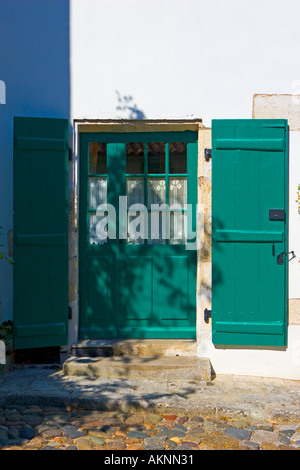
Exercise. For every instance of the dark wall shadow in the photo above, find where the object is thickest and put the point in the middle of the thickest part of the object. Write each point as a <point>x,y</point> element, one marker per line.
<point>34,58</point>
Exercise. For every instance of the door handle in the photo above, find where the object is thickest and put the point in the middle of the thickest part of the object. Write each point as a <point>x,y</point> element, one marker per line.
<point>285,253</point>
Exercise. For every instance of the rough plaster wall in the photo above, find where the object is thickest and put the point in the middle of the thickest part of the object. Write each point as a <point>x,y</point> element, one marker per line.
<point>73,247</point>
<point>204,236</point>
<point>278,107</point>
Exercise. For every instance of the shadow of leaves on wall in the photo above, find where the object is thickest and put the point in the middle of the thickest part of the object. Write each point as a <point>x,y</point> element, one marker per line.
<point>128,108</point>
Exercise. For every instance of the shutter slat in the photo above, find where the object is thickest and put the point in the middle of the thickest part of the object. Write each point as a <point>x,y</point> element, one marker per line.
<point>251,328</point>
<point>41,239</point>
<point>250,144</point>
<point>25,331</point>
<point>246,236</point>
<point>29,143</point>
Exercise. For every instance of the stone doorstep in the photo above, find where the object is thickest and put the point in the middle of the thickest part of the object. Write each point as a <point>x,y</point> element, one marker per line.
<point>134,347</point>
<point>175,368</point>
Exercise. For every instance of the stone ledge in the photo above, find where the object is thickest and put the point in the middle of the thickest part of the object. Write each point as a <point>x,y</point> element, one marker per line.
<point>157,368</point>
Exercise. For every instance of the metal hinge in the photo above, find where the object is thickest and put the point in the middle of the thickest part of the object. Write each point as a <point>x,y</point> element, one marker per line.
<point>70,313</point>
<point>208,154</point>
<point>207,315</point>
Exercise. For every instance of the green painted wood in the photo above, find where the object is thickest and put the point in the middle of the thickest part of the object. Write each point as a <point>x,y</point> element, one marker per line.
<point>53,329</point>
<point>249,177</point>
<point>250,144</point>
<point>41,239</point>
<point>40,232</point>
<point>30,143</point>
<point>135,290</point>
<point>246,236</point>
<point>252,328</point>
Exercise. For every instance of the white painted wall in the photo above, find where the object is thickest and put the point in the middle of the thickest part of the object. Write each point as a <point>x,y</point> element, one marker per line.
<point>181,58</point>
<point>294,215</point>
<point>261,362</point>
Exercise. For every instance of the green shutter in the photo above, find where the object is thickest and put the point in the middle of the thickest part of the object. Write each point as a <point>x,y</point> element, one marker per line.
<point>249,287</point>
<point>40,232</point>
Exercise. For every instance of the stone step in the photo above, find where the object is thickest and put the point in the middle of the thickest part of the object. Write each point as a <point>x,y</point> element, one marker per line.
<point>134,347</point>
<point>176,368</point>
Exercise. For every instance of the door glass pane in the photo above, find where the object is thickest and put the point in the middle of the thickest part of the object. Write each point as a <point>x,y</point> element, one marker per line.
<point>178,157</point>
<point>157,228</point>
<point>178,191</point>
<point>156,157</point>
<point>97,158</point>
<point>135,191</point>
<point>97,192</point>
<point>135,195</point>
<point>156,191</point>
<point>177,228</point>
<point>97,229</point>
<point>135,158</point>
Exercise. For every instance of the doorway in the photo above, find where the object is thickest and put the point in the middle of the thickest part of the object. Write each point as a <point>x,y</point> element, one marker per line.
<point>137,235</point>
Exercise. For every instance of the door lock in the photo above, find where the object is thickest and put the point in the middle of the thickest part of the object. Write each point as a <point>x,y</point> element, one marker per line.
<point>277,214</point>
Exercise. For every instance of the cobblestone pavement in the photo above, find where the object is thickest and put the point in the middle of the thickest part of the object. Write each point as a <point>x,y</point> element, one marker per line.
<point>50,428</point>
<point>42,409</point>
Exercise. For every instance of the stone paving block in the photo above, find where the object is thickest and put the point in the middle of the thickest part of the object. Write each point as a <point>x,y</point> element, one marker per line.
<point>137,435</point>
<point>3,436</point>
<point>251,445</point>
<point>237,433</point>
<point>27,432</point>
<point>33,420</point>
<point>265,437</point>
<point>296,436</point>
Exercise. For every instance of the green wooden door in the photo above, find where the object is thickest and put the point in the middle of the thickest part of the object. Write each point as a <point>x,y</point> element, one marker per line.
<point>137,287</point>
<point>249,178</point>
<point>40,232</point>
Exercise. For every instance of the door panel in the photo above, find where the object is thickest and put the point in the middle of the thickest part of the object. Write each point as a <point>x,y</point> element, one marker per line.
<point>136,288</point>
<point>144,287</point>
<point>101,303</point>
<point>173,288</point>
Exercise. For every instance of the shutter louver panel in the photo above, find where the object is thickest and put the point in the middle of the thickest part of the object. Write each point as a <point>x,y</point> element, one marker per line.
<point>40,232</point>
<point>249,287</point>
